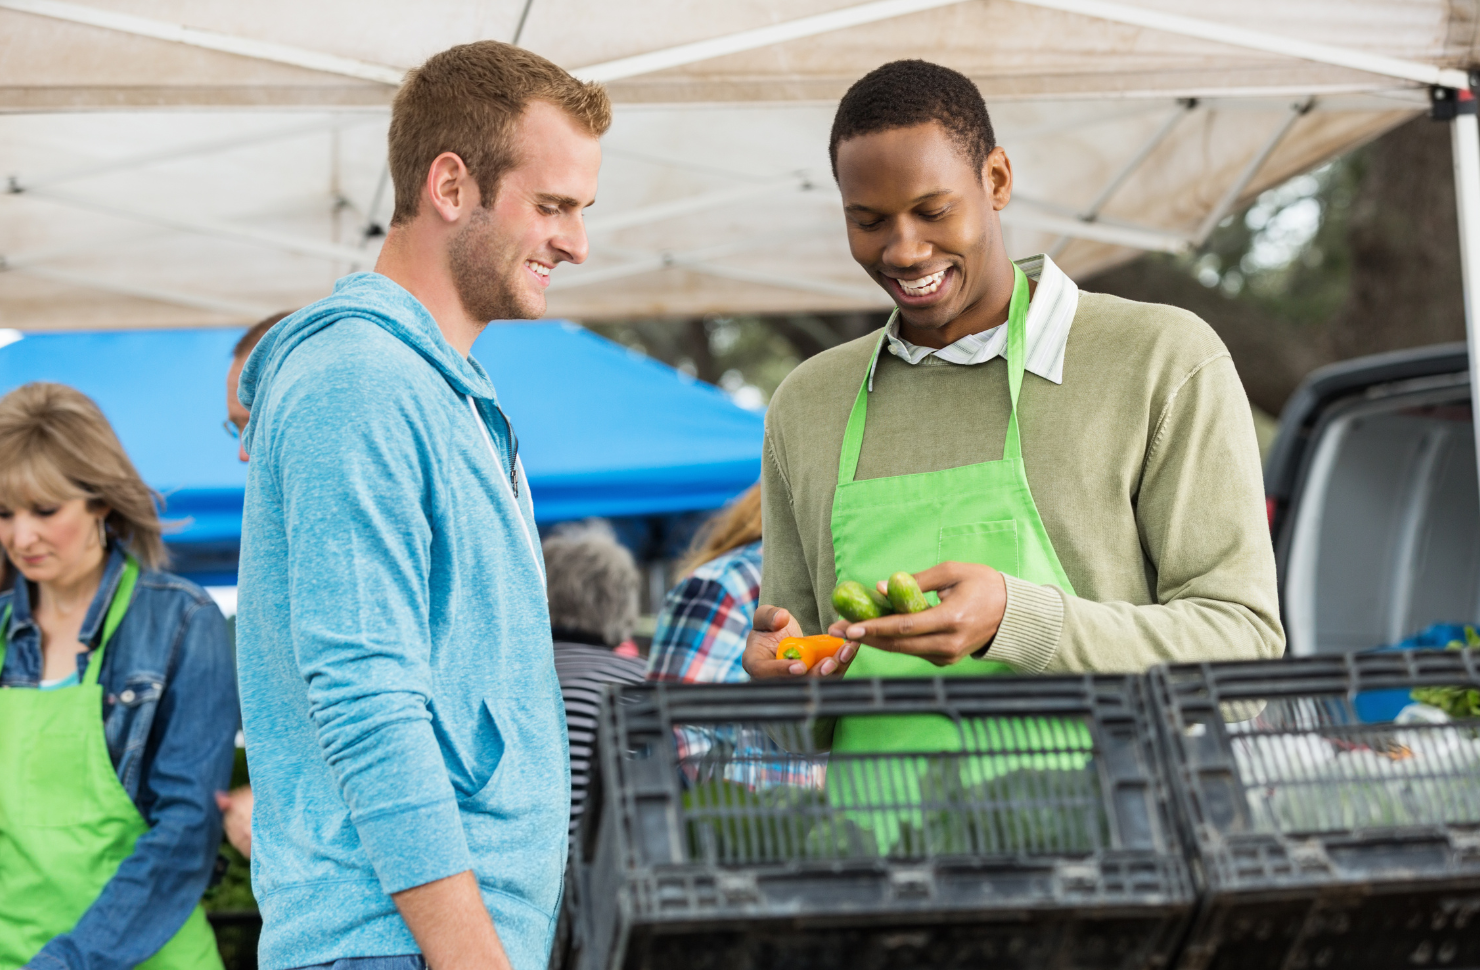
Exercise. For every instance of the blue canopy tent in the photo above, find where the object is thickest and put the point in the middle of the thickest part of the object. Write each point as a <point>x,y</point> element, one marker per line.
<point>603,431</point>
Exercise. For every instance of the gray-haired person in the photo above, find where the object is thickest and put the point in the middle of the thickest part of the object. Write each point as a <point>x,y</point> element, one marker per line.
<point>592,589</point>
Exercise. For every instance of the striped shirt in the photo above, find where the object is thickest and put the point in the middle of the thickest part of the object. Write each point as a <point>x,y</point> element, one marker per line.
<point>582,671</point>
<point>1050,313</point>
<point>700,637</point>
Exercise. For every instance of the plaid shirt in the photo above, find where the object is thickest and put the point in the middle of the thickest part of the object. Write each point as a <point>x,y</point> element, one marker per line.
<point>700,639</point>
<point>701,632</point>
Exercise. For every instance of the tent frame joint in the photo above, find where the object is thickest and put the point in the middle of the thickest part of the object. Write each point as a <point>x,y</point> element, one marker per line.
<point>1445,104</point>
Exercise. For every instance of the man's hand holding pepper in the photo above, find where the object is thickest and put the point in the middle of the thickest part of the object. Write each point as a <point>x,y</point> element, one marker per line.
<point>972,600</point>
<point>770,625</point>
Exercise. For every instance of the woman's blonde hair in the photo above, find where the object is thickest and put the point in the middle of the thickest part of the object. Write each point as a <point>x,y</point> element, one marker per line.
<point>737,524</point>
<point>55,445</point>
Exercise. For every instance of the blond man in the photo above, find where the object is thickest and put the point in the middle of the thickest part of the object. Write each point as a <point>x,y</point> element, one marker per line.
<point>402,714</point>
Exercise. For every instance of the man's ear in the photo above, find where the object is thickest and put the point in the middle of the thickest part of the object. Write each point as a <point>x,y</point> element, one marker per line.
<point>450,188</point>
<point>997,177</point>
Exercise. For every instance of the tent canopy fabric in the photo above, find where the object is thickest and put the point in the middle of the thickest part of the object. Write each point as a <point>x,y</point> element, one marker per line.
<point>603,431</point>
<point>253,192</point>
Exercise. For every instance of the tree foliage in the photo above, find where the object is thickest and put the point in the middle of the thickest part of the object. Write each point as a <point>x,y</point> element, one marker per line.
<point>1358,257</point>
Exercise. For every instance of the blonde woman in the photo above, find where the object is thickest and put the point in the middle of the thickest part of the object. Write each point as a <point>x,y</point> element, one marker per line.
<point>700,636</point>
<point>118,721</point>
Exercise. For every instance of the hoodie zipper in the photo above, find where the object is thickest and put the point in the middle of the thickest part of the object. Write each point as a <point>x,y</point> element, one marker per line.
<point>513,472</point>
<point>488,440</point>
<point>514,454</point>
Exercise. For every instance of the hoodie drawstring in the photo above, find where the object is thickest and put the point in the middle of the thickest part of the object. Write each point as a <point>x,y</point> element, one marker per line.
<point>513,470</point>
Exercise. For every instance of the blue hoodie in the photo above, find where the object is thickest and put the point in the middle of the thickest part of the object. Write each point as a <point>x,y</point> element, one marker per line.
<point>402,716</point>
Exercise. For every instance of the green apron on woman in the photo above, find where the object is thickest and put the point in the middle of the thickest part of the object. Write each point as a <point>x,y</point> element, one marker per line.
<point>66,822</point>
<point>982,513</point>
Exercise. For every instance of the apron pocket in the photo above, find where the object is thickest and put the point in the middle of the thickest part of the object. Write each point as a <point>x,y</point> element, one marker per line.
<point>986,543</point>
<point>61,781</point>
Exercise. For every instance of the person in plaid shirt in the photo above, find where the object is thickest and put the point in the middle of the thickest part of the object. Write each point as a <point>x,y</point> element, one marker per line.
<point>701,632</point>
<point>700,638</point>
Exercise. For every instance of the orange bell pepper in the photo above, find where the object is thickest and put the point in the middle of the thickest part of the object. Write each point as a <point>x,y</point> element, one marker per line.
<point>809,650</point>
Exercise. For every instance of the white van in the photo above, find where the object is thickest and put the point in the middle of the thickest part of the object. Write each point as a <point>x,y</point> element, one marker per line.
<point>1373,501</point>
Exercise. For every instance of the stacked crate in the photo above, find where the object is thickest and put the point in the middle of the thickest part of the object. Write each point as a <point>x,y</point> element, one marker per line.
<point>1321,839</point>
<point>1235,816</point>
<point>726,836</point>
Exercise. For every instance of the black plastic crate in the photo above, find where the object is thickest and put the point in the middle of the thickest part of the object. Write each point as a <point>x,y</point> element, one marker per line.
<point>719,833</point>
<point>1321,839</point>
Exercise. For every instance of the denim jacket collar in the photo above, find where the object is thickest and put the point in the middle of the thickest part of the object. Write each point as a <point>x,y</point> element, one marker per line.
<point>92,623</point>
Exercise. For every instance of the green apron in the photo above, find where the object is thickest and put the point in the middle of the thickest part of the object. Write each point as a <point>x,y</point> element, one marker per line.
<point>66,823</point>
<point>982,513</point>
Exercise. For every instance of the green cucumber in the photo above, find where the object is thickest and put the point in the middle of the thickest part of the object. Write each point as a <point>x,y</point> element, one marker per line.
<point>880,600</point>
<point>905,595</point>
<point>852,601</point>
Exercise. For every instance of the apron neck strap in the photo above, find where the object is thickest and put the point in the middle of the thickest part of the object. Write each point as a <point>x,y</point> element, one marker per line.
<point>1017,315</point>
<point>853,434</point>
<point>116,608</point>
<point>119,606</point>
<point>1017,343</point>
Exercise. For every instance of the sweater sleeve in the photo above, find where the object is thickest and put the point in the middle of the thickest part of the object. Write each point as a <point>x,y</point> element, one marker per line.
<point>785,579</point>
<point>352,465</point>
<point>1200,514</point>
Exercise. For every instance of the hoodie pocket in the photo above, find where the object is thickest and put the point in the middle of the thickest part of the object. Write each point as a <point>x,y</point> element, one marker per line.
<point>472,764</point>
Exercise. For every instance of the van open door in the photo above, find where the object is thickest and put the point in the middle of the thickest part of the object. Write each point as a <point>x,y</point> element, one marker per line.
<point>1373,501</point>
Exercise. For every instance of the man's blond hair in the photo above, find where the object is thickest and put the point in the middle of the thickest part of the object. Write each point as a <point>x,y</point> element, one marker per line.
<point>467,100</point>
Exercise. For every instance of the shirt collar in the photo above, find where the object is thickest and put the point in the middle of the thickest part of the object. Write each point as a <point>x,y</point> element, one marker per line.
<point>1050,312</point>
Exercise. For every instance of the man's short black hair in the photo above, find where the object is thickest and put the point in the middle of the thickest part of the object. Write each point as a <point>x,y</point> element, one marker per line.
<point>902,94</point>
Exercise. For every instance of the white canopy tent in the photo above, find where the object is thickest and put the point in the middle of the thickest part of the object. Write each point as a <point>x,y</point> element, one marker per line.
<point>177,163</point>
<point>216,170</point>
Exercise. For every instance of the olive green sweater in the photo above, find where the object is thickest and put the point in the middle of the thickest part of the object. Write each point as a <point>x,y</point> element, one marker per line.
<point>1143,465</point>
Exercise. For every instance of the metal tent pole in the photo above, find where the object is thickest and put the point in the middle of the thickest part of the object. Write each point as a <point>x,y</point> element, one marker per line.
<point>1466,140</point>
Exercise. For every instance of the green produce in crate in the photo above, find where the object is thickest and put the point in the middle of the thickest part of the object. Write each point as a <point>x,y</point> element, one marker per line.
<point>1026,810</point>
<point>855,602</point>
<point>1458,702</point>
<point>729,822</point>
<point>905,595</point>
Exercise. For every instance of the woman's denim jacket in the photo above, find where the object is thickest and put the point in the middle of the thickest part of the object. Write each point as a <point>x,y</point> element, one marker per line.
<point>170,718</point>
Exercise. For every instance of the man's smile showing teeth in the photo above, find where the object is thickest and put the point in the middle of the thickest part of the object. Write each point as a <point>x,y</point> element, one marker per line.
<point>924,286</point>
<point>540,269</point>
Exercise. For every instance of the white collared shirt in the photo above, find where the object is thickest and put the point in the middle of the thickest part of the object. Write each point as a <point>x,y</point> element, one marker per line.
<point>1050,312</point>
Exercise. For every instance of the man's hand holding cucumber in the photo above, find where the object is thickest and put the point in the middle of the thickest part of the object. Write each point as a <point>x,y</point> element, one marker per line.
<point>972,599</point>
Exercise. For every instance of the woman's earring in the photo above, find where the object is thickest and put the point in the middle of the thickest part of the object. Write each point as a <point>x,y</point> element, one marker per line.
<point>102,534</point>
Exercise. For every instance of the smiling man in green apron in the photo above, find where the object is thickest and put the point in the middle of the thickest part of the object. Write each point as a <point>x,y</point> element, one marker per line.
<point>1074,476</point>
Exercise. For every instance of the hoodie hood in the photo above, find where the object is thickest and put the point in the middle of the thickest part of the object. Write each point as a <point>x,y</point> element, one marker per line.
<point>363,296</point>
